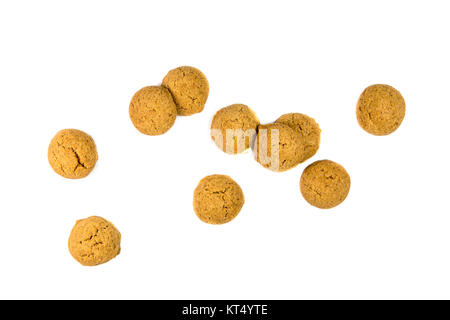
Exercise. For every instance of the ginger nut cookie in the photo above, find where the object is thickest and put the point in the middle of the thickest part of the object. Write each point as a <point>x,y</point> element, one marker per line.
<point>72,153</point>
<point>94,241</point>
<point>380,109</point>
<point>189,88</point>
<point>218,199</point>
<point>152,110</point>
<point>278,147</point>
<point>309,130</point>
<point>233,128</point>
<point>325,184</point>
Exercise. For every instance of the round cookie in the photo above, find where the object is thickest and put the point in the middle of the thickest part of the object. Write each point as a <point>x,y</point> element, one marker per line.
<point>72,153</point>
<point>94,241</point>
<point>380,109</point>
<point>308,128</point>
<point>218,199</point>
<point>281,156</point>
<point>325,184</point>
<point>152,110</point>
<point>189,88</point>
<point>233,128</point>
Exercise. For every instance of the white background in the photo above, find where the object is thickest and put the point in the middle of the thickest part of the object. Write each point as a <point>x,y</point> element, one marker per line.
<point>77,64</point>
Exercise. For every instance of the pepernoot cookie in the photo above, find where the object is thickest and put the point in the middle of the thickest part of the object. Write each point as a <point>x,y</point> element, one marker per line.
<point>233,128</point>
<point>218,199</point>
<point>278,147</point>
<point>308,129</point>
<point>189,88</point>
<point>325,184</point>
<point>380,109</point>
<point>72,153</point>
<point>94,241</point>
<point>152,110</point>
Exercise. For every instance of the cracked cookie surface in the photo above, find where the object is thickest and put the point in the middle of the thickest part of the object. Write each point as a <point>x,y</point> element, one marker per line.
<point>239,122</point>
<point>189,88</point>
<point>94,241</point>
<point>152,110</point>
<point>325,184</point>
<point>218,199</point>
<point>308,129</point>
<point>72,153</point>
<point>380,109</point>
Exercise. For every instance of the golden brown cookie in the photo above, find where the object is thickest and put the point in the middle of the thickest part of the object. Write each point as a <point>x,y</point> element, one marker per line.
<point>309,130</point>
<point>218,199</point>
<point>152,110</point>
<point>278,147</point>
<point>324,184</point>
<point>189,88</point>
<point>233,128</point>
<point>72,153</point>
<point>94,241</point>
<point>380,109</point>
